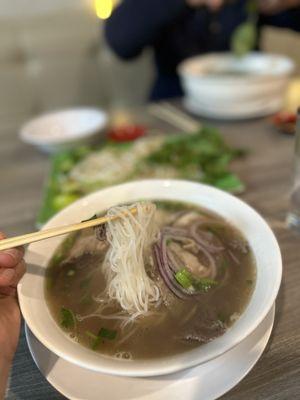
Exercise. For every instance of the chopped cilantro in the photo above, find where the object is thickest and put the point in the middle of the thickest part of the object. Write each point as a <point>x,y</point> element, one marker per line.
<point>67,318</point>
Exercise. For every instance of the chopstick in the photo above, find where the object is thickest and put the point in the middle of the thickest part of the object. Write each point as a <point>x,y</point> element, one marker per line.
<point>174,116</point>
<point>61,230</point>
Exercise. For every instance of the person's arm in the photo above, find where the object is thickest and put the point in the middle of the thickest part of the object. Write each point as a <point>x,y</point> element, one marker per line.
<point>12,268</point>
<point>135,24</point>
<point>281,13</point>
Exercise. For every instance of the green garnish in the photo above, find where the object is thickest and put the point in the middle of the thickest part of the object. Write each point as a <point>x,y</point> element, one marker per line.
<point>204,284</point>
<point>91,335</point>
<point>249,281</point>
<point>204,153</point>
<point>63,250</point>
<point>184,278</point>
<point>67,318</point>
<point>57,259</point>
<point>71,272</point>
<point>202,156</point>
<point>104,333</point>
<point>107,333</point>
<point>244,37</point>
<point>192,283</point>
<point>96,343</point>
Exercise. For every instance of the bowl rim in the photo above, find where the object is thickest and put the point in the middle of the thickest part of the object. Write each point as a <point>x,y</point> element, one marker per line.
<point>26,135</point>
<point>183,73</point>
<point>148,367</point>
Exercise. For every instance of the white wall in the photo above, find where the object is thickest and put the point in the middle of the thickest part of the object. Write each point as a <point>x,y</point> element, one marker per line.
<point>54,56</point>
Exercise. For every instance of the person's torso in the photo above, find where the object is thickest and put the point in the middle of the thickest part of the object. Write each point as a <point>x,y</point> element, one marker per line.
<point>196,31</point>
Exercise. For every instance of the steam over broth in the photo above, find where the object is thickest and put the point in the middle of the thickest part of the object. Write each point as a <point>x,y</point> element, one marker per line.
<point>208,285</point>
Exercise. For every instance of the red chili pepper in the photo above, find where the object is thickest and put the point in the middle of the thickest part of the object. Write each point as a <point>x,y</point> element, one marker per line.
<point>126,133</point>
<point>285,117</point>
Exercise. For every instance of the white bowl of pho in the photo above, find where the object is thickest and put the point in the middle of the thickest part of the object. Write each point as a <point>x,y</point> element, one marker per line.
<point>182,281</point>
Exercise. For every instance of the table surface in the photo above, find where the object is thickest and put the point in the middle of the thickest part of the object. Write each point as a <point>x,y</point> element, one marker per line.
<point>267,173</point>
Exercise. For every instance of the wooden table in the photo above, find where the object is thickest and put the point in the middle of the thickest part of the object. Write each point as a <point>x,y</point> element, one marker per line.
<point>267,173</point>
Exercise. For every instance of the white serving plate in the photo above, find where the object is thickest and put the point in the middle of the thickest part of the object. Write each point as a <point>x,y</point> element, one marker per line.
<point>206,382</point>
<point>260,237</point>
<point>64,129</point>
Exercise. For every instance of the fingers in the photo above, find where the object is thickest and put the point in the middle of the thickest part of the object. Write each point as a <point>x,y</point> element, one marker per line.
<point>10,258</point>
<point>271,6</point>
<point>8,291</point>
<point>12,268</point>
<point>9,277</point>
<point>215,4</point>
<point>212,4</point>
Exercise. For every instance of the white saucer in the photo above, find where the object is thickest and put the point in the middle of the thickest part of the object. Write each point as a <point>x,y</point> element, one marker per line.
<point>229,112</point>
<point>210,380</point>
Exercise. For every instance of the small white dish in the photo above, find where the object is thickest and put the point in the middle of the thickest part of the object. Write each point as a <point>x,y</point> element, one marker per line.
<point>258,234</point>
<point>64,129</point>
<point>207,381</point>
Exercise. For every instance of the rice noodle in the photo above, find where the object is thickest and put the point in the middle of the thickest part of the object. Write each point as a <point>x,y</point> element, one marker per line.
<point>130,238</point>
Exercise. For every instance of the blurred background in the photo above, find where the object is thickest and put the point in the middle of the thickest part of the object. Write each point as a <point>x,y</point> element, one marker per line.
<point>53,55</point>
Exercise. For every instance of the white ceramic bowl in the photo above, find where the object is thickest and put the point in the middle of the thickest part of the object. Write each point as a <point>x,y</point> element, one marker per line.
<point>64,129</point>
<point>256,87</point>
<point>259,235</point>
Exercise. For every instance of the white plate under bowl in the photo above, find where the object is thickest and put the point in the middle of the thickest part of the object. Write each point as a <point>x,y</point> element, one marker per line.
<point>63,129</point>
<point>258,234</point>
<point>231,112</point>
<point>206,382</point>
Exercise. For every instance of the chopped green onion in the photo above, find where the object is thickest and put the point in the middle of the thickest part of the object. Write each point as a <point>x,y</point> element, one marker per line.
<point>107,333</point>
<point>91,335</point>
<point>204,284</point>
<point>104,333</point>
<point>188,281</point>
<point>57,259</point>
<point>67,318</point>
<point>96,343</point>
<point>184,278</point>
<point>96,339</point>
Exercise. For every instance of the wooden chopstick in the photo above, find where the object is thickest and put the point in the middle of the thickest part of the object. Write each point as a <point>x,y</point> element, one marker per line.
<point>61,230</point>
<point>173,116</point>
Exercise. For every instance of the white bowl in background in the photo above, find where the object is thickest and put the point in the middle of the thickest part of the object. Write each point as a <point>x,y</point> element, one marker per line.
<point>255,80</point>
<point>64,129</point>
<point>249,222</point>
